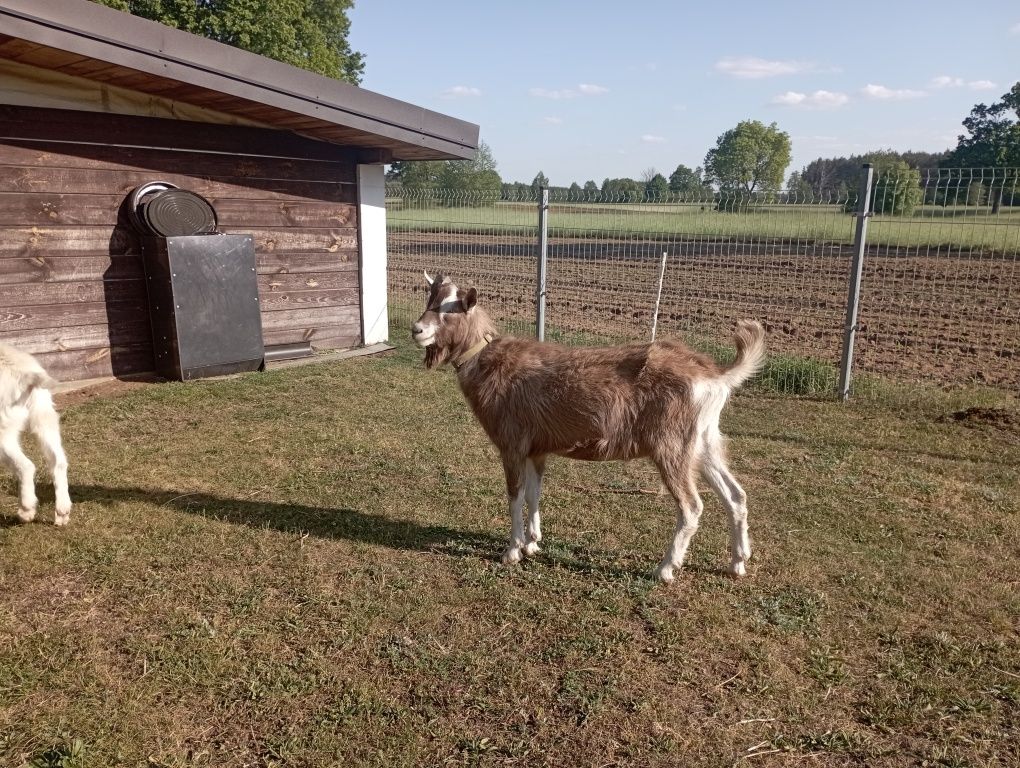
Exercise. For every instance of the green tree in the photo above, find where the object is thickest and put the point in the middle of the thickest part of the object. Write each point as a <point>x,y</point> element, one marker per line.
<point>656,188</point>
<point>311,34</point>
<point>752,157</point>
<point>540,180</point>
<point>977,193</point>
<point>477,176</point>
<point>416,174</point>
<point>591,188</point>
<point>622,191</point>
<point>896,189</point>
<point>799,188</point>
<point>992,141</point>
<point>684,181</point>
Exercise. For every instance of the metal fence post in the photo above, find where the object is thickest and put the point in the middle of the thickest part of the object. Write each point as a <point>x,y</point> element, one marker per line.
<point>658,296</point>
<point>543,253</point>
<point>854,293</point>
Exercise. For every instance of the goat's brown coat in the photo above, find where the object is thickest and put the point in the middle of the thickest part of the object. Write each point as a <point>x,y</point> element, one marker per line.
<point>634,401</point>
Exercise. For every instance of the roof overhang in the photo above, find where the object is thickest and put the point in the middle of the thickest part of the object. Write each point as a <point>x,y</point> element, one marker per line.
<point>73,37</point>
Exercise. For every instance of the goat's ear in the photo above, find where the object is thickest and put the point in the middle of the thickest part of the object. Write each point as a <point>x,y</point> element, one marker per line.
<point>470,299</point>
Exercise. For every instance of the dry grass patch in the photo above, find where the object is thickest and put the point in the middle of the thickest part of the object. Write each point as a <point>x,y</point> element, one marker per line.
<point>300,568</point>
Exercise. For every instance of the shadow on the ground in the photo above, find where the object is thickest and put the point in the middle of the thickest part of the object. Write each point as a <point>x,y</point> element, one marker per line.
<point>355,525</point>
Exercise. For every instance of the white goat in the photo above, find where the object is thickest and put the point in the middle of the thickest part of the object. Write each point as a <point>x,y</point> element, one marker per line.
<point>26,401</point>
<point>659,401</point>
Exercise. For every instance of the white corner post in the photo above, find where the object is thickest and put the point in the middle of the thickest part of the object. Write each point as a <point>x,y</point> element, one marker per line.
<point>372,234</point>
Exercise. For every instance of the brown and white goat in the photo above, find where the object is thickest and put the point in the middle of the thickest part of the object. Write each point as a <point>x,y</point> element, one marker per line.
<point>25,401</point>
<point>660,401</point>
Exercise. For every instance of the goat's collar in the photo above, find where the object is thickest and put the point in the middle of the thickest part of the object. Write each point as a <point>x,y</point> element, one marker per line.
<point>470,354</point>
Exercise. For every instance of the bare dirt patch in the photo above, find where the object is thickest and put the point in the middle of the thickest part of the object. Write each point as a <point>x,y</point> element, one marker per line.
<point>999,418</point>
<point>941,315</point>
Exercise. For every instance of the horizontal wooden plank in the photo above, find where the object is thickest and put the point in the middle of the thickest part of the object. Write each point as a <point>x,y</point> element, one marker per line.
<point>279,246</point>
<point>24,179</point>
<point>282,283</point>
<point>297,299</point>
<point>120,360</point>
<point>66,315</point>
<point>48,209</point>
<point>309,317</point>
<point>40,340</point>
<point>58,269</point>
<point>345,260</point>
<point>83,291</point>
<point>129,130</point>
<point>47,268</point>
<point>320,337</point>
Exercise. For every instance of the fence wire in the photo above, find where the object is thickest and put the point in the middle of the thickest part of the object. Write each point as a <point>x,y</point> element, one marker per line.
<point>940,292</point>
<point>477,239</point>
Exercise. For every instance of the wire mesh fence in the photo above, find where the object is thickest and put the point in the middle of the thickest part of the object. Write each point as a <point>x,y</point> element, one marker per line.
<point>478,239</point>
<point>940,294</point>
<point>940,286</point>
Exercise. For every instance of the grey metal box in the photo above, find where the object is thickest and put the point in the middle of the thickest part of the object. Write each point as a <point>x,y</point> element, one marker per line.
<point>203,305</point>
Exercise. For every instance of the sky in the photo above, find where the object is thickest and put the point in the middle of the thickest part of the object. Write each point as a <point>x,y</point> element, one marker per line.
<point>595,90</point>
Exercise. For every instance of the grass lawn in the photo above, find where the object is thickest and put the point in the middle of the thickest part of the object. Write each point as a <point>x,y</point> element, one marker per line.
<point>929,226</point>
<point>300,568</point>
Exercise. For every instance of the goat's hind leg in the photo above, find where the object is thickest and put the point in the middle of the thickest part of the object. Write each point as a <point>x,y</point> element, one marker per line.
<point>534,470</point>
<point>676,476</point>
<point>14,458</point>
<point>717,474</point>
<point>44,421</point>
<point>515,471</point>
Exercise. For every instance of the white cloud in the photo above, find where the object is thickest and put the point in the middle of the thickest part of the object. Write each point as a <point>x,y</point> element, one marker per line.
<point>584,89</point>
<point>1015,29</point>
<point>649,138</point>
<point>945,81</point>
<point>460,91</point>
<point>816,100</point>
<point>752,68</point>
<point>553,120</point>
<point>882,93</point>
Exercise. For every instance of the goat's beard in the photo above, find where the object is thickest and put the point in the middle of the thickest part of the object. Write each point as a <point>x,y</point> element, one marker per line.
<point>434,356</point>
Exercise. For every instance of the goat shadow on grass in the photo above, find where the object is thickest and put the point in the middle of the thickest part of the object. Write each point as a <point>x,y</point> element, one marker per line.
<point>353,525</point>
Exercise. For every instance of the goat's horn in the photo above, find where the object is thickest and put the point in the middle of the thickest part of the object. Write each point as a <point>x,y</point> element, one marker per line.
<point>428,279</point>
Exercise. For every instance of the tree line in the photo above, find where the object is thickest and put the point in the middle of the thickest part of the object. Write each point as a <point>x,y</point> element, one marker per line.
<point>749,162</point>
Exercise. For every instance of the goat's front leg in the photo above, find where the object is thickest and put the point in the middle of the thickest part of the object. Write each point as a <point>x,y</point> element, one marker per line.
<point>12,455</point>
<point>514,469</point>
<point>45,424</point>
<point>532,491</point>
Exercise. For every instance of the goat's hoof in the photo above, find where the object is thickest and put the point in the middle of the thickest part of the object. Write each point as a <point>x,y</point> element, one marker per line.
<point>531,548</point>
<point>61,518</point>
<point>738,569</point>
<point>665,574</point>
<point>512,555</point>
<point>26,514</point>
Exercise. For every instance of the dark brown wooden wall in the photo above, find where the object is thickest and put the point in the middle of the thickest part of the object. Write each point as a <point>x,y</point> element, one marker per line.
<point>71,277</point>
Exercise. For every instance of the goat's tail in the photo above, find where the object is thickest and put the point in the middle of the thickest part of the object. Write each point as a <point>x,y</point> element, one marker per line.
<point>25,382</point>
<point>749,338</point>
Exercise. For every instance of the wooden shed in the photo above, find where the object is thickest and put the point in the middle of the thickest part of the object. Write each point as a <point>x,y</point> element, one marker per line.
<point>94,102</point>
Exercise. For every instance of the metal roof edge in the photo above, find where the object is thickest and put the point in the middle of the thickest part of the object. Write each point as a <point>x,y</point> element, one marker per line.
<point>81,26</point>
